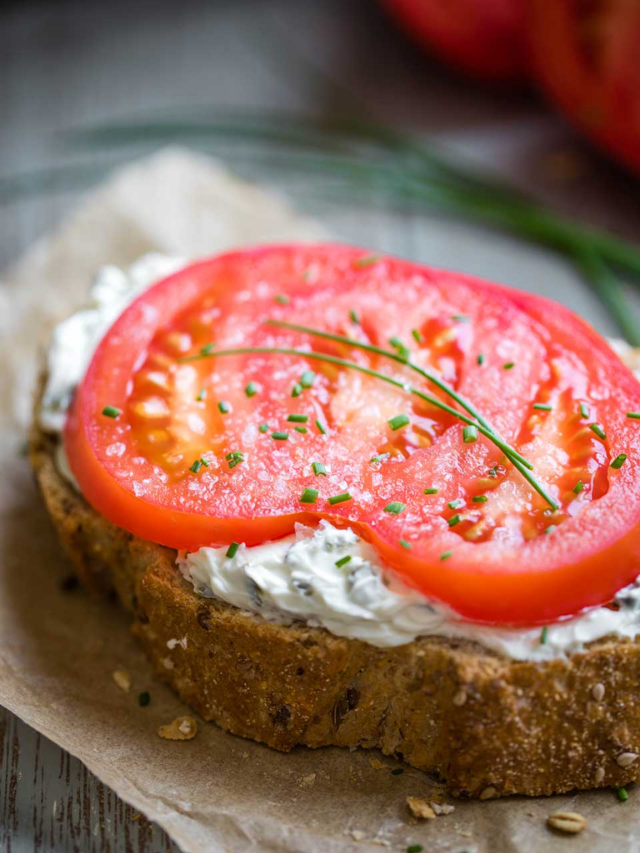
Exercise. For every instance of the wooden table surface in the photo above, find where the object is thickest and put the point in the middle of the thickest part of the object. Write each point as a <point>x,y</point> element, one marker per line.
<point>67,64</point>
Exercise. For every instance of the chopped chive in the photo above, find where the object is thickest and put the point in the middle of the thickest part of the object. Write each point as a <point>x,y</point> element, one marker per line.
<point>366,261</point>
<point>353,316</point>
<point>543,407</point>
<point>479,499</point>
<point>395,508</point>
<point>431,491</point>
<point>224,407</point>
<point>480,358</point>
<point>469,434</point>
<point>598,431</point>
<point>207,348</point>
<point>455,519</point>
<point>197,465</point>
<point>232,550</point>
<point>343,561</point>
<point>301,429</point>
<point>417,335</point>
<point>460,318</point>
<point>234,458</point>
<point>144,699</point>
<point>550,528</point>
<point>251,389</point>
<point>398,771</point>
<point>319,469</point>
<point>509,365</point>
<point>321,428</point>
<point>297,419</point>
<point>280,436</point>
<point>296,390</point>
<point>401,350</point>
<point>623,796</point>
<point>456,504</point>
<point>264,427</point>
<point>309,496</point>
<point>339,499</point>
<point>493,473</point>
<point>415,848</point>
<point>543,635</point>
<point>584,410</point>
<point>282,299</point>
<point>398,421</point>
<point>579,486</point>
<point>202,393</point>
<point>445,555</point>
<point>635,416</point>
<point>404,544</point>
<point>307,379</point>
<point>111,412</point>
<point>619,461</point>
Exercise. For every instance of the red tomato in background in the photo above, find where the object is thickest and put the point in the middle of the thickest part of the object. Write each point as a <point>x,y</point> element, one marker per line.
<point>484,38</point>
<point>584,56</point>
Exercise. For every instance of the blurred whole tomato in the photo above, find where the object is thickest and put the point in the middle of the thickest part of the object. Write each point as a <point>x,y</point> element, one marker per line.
<point>585,57</point>
<point>484,38</point>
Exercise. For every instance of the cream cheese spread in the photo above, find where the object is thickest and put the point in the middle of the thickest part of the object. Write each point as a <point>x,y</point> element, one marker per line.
<point>75,340</point>
<point>296,578</point>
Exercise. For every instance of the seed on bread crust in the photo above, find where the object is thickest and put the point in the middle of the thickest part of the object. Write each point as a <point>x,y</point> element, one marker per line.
<point>488,793</point>
<point>460,697</point>
<point>597,691</point>
<point>626,759</point>
<point>182,728</point>
<point>570,822</point>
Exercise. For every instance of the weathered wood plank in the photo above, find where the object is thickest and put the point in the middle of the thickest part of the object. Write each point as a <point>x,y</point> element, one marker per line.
<point>49,801</point>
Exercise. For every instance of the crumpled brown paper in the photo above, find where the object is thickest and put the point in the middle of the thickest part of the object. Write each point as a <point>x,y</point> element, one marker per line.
<point>59,650</point>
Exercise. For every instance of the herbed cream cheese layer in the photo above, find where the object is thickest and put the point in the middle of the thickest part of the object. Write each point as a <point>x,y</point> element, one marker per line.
<point>296,578</point>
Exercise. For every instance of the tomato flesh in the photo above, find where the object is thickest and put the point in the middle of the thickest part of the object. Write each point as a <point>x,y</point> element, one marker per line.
<point>196,456</point>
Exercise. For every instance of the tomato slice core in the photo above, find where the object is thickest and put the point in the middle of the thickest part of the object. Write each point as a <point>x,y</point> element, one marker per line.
<point>220,448</point>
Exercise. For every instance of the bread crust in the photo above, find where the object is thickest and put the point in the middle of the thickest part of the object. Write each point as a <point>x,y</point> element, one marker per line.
<point>488,726</point>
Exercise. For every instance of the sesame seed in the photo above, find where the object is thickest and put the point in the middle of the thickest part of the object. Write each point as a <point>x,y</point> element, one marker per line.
<point>460,698</point>
<point>626,759</point>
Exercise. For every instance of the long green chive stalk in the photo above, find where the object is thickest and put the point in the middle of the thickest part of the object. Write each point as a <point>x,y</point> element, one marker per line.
<point>460,189</point>
<point>401,359</point>
<point>434,401</point>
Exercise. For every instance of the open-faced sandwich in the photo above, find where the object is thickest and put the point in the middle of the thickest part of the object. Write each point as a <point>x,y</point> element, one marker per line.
<point>352,500</point>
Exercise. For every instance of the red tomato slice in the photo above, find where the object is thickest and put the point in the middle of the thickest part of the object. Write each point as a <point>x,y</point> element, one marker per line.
<point>584,56</point>
<point>188,461</point>
<point>483,38</point>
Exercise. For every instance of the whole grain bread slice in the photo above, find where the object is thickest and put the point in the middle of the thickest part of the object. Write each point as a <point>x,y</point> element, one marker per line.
<point>488,726</point>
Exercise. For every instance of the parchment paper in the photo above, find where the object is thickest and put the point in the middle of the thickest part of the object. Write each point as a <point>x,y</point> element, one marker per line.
<point>58,650</point>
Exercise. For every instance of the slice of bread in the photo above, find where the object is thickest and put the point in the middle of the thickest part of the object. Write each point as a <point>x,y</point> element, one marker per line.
<point>488,726</point>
